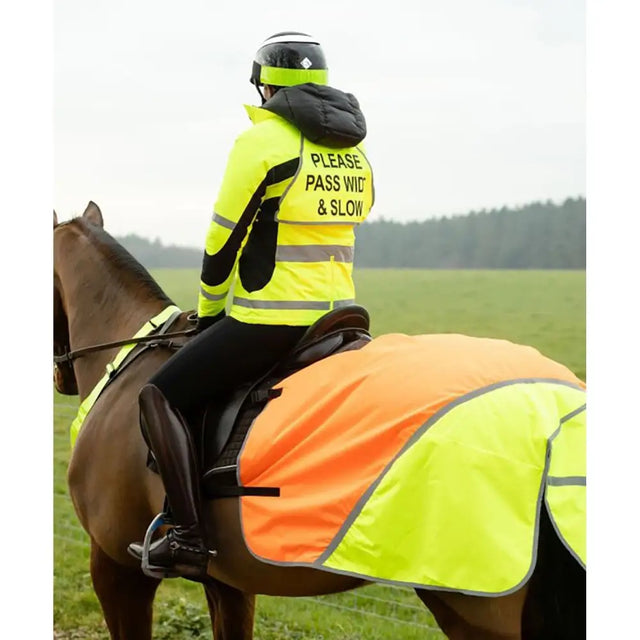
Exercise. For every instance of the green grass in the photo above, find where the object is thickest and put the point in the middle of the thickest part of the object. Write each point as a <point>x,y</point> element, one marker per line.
<point>545,309</point>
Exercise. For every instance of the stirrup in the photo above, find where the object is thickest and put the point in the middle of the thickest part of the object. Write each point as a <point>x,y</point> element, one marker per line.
<point>159,572</point>
<point>154,571</point>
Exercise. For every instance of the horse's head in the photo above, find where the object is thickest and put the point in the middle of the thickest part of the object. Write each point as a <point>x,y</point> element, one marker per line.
<point>63,374</point>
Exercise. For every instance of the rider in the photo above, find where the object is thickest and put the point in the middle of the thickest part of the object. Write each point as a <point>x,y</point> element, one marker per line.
<point>296,184</point>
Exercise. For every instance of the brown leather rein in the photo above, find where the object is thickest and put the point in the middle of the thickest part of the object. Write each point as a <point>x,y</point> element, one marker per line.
<point>69,356</point>
<point>155,339</point>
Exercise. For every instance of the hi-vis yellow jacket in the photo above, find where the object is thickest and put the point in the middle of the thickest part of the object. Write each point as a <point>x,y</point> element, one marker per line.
<point>281,240</point>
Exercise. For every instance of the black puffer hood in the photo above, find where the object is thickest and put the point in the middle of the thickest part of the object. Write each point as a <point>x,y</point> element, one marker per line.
<point>324,115</point>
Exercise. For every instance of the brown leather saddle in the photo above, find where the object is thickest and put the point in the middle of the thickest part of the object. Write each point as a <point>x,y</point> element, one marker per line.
<point>224,426</point>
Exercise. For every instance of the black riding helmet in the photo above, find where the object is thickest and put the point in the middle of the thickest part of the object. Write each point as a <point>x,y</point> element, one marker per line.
<point>288,58</point>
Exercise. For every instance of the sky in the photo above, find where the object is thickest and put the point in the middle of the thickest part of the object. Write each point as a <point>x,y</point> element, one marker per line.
<point>468,104</point>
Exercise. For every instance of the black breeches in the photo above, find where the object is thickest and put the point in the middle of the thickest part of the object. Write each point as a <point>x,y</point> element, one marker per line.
<point>221,358</point>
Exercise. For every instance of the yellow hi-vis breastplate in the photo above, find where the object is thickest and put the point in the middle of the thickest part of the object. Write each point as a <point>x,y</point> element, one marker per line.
<point>90,400</point>
<point>332,186</point>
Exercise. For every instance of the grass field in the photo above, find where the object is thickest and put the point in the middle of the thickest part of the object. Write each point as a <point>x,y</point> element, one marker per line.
<point>545,309</point>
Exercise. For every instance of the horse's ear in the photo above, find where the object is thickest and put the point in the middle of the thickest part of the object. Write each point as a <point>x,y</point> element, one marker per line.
<point>93,214</point>
<point>55,218</point>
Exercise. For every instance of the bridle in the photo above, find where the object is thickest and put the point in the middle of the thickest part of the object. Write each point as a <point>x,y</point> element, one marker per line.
<point>159,337</point>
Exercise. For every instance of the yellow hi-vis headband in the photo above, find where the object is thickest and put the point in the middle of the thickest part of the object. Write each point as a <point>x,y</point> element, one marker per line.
<point>281,77</point>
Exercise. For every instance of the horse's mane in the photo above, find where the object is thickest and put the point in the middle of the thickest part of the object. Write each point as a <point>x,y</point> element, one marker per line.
<point>120,259</point>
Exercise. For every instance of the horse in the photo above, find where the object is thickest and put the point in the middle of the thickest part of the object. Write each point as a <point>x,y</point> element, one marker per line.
<point>102,296</point>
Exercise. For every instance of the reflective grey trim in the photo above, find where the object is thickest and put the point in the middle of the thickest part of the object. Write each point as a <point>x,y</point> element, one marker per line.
<point>214,297</point>
<point>342,303</point>
<point>223,222</point>
<point>282,304</point>
<point>295,177</point>
<point>373,188</point>
<point>314,305</point>
<point>314,253</point>
<point>567,546</point>
<point>555,481</point>
<point>573,413</point>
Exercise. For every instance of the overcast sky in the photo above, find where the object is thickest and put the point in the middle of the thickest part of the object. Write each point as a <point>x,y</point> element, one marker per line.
<point>469,104</point>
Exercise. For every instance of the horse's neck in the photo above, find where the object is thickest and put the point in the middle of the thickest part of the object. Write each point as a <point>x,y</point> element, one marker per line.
<point>113,312</point>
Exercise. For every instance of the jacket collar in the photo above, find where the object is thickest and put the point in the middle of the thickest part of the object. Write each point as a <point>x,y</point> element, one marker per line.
<point>258,114</point>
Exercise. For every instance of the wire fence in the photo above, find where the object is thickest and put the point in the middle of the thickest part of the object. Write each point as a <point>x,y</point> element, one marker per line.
<point>388,605</point>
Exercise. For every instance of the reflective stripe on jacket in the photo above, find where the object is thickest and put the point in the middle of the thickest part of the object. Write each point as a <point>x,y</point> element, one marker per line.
<point>282,234</point>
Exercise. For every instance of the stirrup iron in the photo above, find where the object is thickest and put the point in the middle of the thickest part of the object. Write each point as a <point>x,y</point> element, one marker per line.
<point>151,570</point>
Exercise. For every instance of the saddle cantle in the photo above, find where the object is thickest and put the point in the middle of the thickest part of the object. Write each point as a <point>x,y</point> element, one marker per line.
<point>224,429</point>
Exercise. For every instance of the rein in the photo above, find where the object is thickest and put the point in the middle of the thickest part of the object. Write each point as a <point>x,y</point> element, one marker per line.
<point>70,356</point>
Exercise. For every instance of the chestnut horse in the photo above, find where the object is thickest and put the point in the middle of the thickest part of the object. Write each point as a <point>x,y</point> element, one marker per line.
<point>102,295</point>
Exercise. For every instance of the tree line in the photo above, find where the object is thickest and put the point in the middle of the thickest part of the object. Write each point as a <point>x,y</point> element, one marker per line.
<point>540,235</point>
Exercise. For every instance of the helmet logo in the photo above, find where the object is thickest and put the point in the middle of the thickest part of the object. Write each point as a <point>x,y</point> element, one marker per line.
<point>306,63</point>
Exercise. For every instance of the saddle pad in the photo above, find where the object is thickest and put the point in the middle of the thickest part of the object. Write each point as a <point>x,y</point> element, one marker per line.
<point>419,460</point>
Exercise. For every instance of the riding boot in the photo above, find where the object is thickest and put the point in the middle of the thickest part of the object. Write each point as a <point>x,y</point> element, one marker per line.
<point>182,552</point>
